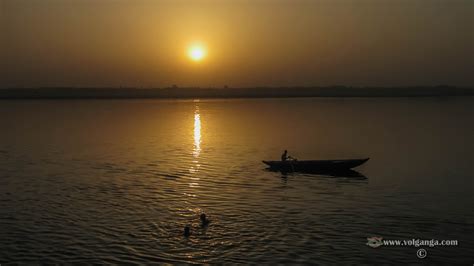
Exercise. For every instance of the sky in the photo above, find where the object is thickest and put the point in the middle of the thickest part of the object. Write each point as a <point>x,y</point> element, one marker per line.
<point>247,43</point>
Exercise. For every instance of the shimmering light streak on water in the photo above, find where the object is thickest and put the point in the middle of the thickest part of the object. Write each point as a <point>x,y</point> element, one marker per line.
<point>197,132</point>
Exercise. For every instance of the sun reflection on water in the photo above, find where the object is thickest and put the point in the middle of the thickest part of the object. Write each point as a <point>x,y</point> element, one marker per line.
<point>194,169</point>
<point>197,133</point>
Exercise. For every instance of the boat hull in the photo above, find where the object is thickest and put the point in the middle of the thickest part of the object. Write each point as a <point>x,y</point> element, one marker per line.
<point>315,165</point>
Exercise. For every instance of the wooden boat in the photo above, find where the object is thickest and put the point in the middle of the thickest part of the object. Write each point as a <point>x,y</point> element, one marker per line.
<point>314,165</point>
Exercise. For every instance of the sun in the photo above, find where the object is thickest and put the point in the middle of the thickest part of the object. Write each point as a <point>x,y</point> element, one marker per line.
<point>196,52</point>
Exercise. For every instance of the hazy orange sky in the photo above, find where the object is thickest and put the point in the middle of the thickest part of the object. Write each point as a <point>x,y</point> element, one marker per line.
<point>249,42</point>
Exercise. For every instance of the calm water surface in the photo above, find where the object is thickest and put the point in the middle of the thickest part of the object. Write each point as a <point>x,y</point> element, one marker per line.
<point>116,181</point>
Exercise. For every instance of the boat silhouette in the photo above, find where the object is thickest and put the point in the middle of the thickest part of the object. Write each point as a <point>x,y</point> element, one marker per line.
<point>327,167</point>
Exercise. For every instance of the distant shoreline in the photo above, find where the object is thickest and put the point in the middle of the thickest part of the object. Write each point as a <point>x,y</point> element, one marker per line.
<point>64,93</point>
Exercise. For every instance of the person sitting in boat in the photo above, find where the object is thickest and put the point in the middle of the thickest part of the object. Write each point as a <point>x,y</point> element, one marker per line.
<point>285,157</point>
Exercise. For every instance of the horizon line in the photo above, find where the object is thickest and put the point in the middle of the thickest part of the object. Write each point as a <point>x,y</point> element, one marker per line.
<point>239,87</point>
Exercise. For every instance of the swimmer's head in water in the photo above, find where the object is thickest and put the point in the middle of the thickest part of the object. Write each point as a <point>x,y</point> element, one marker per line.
<point>187,231</point>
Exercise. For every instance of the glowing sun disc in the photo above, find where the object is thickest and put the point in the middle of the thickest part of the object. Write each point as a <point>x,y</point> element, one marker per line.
<point>196,53</point>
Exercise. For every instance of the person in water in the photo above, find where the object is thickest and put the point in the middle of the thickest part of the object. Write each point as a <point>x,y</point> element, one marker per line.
<point>204,220</point>
<point>284,156</point>
<point>187,231</point>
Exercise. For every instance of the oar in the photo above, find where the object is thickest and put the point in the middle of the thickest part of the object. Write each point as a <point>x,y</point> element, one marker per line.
<point>291,163</point>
